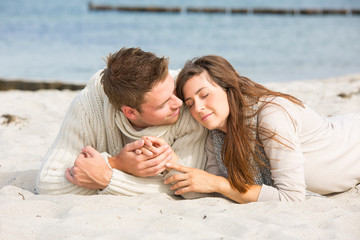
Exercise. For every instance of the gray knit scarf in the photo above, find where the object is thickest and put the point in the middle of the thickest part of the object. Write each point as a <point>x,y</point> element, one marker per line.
<point>262,175</point>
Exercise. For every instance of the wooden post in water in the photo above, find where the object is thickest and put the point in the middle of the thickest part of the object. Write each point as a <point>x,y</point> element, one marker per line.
<point>239,11</point>
<point>206,10</point>
<point>134,8</point>
<point>335,11</point>
<point>274,11</point>
<point>310,11</point>
<point>270,11</point>
<point>149,9</point>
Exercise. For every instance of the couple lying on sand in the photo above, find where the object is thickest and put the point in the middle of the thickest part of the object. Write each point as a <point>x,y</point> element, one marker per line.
<point>134,129</point>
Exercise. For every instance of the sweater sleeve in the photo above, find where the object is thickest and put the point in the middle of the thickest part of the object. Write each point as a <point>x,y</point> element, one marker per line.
<point>122,183</point>
<point>74,134</point>
<point>80,129</point>
<point>286,162</point>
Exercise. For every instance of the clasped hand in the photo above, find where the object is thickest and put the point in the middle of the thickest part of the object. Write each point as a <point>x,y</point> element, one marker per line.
<point>143,158</point>
<point>153,157</point>
<point>90,170</point>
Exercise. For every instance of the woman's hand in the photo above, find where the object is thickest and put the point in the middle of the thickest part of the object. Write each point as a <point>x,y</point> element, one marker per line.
<point>192,180</point>
<point>196,180</point>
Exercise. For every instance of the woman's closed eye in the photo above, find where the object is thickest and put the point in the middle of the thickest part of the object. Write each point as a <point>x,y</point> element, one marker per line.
<point>204,95</point>
<point>189,104</point>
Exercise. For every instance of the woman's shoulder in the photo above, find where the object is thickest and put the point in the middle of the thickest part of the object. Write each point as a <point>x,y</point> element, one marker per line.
<point>275,100</point>
<point>278,110</point>
<point>272,103</point>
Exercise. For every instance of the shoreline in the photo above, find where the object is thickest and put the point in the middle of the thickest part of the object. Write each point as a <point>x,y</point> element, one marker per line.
<point>7,84</point>
<point>30,85</point>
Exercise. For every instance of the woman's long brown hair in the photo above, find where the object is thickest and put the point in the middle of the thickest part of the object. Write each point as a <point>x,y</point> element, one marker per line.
<point>240,144</point>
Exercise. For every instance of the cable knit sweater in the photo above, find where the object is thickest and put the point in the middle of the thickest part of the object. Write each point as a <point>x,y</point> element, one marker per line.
<point>92,120</point>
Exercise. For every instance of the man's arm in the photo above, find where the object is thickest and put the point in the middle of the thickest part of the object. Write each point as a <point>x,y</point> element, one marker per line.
<point>142,158</point>
<point>74,134</point>
<point>64,170</point>
<point>84,125</point>
<point>91,171</point>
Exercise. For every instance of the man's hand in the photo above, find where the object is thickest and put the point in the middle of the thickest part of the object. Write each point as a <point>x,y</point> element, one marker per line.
<point>157,143</point>
<point>142,159</point>
<point>90,170</point>
<point>148,147</point>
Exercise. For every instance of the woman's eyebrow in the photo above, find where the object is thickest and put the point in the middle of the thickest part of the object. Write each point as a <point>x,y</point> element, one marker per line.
<point>199,90</point>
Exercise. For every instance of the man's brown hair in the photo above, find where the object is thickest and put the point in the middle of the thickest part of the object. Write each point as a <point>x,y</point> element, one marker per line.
<point>130,74</point>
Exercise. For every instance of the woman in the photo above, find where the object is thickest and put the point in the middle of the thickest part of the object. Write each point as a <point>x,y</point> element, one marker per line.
<point>270,145</point>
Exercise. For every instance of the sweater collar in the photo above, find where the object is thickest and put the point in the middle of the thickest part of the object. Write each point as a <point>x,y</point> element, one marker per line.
<point>129,131</point>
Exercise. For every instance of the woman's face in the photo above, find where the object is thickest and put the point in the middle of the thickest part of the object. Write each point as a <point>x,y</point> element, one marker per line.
<point>207,101</point>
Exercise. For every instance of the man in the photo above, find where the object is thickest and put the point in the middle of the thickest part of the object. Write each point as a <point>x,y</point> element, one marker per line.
<point>133,97</point>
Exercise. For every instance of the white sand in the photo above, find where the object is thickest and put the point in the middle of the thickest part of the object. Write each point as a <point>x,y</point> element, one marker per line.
<point>25,215</point>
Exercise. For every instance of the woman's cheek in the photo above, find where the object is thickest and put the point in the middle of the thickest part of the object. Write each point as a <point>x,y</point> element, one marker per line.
<point>193,114</point>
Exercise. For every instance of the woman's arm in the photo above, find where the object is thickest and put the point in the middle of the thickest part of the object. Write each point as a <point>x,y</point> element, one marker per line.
<point>196,180</point>
<point>283,150</point>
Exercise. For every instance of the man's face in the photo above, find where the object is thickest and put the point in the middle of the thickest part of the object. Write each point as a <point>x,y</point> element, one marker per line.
<point>160,107</point>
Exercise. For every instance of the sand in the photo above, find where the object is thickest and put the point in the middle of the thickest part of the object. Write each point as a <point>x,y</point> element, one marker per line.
<point>29,122</point>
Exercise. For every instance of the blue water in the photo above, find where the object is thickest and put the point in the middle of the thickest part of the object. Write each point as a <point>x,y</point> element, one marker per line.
<point>63,40</point>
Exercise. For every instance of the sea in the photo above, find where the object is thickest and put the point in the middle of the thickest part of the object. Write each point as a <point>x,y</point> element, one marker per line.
<point>62,40</point>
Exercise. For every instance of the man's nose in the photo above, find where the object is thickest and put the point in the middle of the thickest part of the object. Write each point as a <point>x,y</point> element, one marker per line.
<point>176,102</point>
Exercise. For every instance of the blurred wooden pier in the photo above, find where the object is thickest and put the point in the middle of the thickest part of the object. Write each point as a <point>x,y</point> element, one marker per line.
<point>279,11</point>
<point>21,84</point>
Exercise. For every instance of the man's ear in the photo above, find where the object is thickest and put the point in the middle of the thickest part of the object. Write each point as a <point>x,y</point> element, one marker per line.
<point>130,113</point>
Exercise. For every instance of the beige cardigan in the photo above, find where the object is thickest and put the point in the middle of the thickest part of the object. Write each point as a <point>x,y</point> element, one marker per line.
<point>92,120</point>
<point>324,156</point>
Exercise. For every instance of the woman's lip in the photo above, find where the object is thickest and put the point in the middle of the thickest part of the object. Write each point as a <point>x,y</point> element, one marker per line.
<point>175,113</point>
<point>206,116</point>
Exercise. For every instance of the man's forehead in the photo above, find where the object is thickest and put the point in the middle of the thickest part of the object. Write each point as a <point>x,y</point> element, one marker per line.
<point>160,93</point>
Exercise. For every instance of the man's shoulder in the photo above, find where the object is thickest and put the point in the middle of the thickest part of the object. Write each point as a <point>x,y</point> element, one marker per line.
<point>93,93</point>
<point>185,114</point>
<point>95,80</point>
<point>94,86</point>
<point>186,122</point>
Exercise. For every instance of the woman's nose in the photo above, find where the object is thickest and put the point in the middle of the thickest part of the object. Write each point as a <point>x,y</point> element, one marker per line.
<point>199,106</point>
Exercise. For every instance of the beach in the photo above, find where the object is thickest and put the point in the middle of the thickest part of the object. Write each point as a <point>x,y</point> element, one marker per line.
<point>29,123</point>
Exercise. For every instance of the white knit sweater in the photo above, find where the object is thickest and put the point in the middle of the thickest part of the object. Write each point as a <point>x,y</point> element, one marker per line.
<point>92,120</point>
